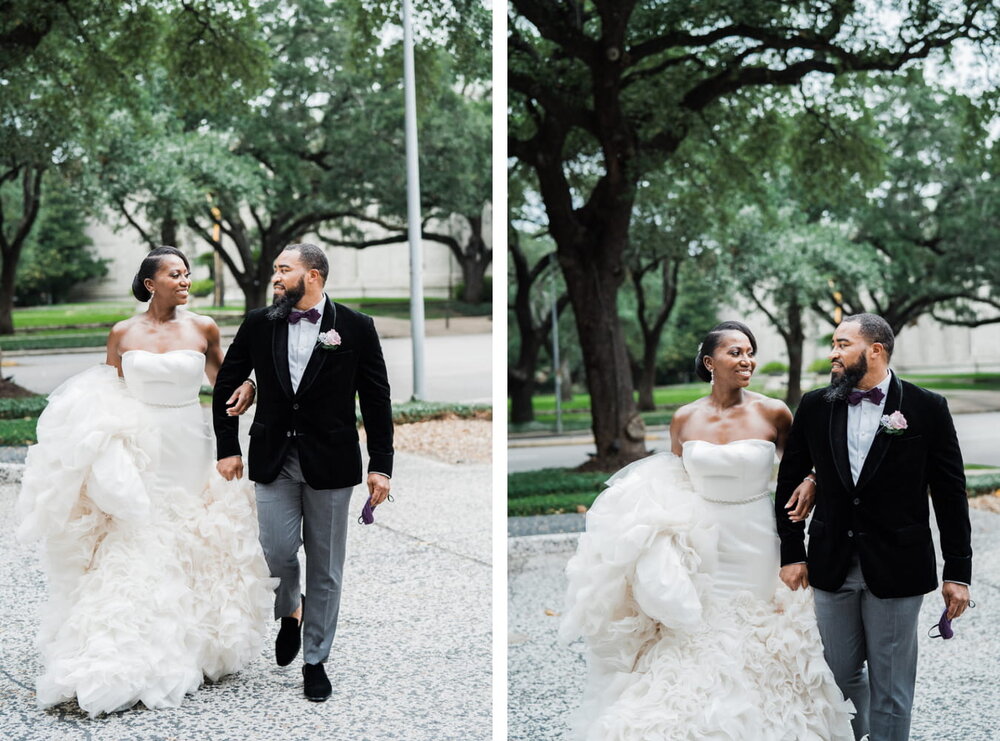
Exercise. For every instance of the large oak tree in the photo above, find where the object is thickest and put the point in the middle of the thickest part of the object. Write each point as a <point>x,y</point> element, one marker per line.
<point>604,90</point>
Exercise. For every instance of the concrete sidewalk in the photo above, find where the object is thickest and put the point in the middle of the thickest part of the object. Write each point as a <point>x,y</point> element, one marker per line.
<point>956,697</point>
<point>412,657</point>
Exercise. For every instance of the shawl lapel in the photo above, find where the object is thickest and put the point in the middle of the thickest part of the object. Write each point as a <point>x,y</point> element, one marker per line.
<point>279,347</point>
<point>838,443</point>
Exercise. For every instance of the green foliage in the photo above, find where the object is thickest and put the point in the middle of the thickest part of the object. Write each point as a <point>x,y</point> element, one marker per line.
<point>423,411</point>
<point>773,368</point>
<point>553,481</point>
<point>982,484</point>
<point>71,314</point>
<point>57,255</point>
<point>18,431</point>
<point>819,365</point>
<point>202,288</point>
<point>550,504</point>
<point>25,408</point>
<point>55,342</point>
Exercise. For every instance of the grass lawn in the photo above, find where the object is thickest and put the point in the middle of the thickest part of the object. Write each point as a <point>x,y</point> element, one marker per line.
<point>955,381</point>
<point>61,315</point>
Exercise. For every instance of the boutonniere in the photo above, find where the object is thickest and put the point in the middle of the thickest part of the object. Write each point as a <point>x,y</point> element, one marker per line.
<point>329,340</point>
<point>893,424</point>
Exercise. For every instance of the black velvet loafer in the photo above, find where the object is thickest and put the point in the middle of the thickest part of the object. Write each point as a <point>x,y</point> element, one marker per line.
<point>317,686</point>
<point>286,646</point>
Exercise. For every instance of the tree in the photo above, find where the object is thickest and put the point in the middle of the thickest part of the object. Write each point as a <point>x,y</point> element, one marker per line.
<point>322,145</point>
<point>66,64</point>
<point>455,149</point>
<point>57,256</point>
<point>929,225</point>
<point>604,91</point>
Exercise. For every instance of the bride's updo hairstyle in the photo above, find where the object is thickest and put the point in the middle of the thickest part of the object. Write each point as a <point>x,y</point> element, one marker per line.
<point>148,268</point>
<point>711,341</point>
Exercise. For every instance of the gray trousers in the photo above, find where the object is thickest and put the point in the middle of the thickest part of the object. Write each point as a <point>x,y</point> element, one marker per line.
<point>291,513</point>
<point>856,626</point>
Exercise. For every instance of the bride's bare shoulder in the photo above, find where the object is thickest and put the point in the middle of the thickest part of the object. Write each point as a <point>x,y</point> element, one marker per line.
<point>776,411</point>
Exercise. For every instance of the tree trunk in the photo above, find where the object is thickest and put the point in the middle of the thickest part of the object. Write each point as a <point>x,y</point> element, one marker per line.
<point>647,379</point>
<point>7,274</point>
<point>475,258</point>
<point>794,340</point>
<point>592,283</point>
<point>168,229</point>
<point>473,278</point>
<point>521,384</point>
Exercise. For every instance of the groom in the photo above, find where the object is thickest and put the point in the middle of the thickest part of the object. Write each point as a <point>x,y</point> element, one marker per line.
<point>311,358</point>
<point>874,444</point>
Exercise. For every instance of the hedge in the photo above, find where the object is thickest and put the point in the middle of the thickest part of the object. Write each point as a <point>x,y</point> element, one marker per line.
<point>554,481</point>
<point>29,406</point>
<point>55,342</point>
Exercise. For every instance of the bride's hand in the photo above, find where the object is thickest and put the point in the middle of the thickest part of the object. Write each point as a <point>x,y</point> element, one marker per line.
<point>801,501</point>
<point>241,399</point>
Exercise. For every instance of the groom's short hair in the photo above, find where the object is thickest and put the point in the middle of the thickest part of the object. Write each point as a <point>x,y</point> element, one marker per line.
<point>874,329</point>
<point>312,257</point>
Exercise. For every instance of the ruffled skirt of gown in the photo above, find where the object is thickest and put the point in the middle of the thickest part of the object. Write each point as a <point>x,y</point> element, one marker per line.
<point>155,574</point>
<point>668,656</point>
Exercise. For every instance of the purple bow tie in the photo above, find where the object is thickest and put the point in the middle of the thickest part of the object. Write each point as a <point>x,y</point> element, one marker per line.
<point>874,395</point>
<point>310,316</point>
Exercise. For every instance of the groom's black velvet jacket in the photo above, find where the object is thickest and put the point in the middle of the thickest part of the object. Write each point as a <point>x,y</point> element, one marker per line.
<point>886,516</point>
<point>321,414</point>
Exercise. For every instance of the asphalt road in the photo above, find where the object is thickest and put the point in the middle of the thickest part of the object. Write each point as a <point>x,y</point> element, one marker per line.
<point>978,434</point>
<point>457,368</point>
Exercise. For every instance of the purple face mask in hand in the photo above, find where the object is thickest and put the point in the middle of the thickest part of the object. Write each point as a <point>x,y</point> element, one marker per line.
<point>944,627</point>
<point>367,516</point>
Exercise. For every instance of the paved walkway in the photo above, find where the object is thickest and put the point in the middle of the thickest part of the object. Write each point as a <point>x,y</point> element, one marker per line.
<point>956,699</point>
<point>412,658</point>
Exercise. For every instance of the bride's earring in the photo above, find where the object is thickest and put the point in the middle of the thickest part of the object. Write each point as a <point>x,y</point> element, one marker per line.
<point>711,377</point>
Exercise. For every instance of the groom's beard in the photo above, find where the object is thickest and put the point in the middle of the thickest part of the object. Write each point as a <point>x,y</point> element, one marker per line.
<point>283,304</point>
<point>842,385</point>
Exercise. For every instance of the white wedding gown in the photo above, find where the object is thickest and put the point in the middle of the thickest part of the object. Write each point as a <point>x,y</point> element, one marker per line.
<point>155,575</point>
<point>689,633</point>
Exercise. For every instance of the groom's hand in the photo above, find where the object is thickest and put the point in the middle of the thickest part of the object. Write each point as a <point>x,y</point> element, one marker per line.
<point>378,488</point>
<point>795,575</point>
<point>956,598</point>
<point>230,468</point>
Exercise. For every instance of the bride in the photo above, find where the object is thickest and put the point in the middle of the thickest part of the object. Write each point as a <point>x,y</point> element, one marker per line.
<point>674,587</point>
<point>156,578</point>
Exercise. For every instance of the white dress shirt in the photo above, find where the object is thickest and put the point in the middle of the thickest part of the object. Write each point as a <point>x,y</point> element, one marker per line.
<point>301,340</point>
<point>862,426</point>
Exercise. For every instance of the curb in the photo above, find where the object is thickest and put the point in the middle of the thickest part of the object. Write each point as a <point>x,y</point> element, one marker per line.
<point>523,546</point>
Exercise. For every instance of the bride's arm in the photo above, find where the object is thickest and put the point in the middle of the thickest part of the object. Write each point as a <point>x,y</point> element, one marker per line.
<point>114,356</point>
<point>800,504</point>
<point>213,353</point>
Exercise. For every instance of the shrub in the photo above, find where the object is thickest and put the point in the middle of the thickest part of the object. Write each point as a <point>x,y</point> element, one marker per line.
<point>202,288</point>
<point>819,365</point>
<point>774,368</point>
<point>528,484</point>
<point>30,406</point>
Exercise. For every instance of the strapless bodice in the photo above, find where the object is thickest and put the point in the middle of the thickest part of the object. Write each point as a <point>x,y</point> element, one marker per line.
<point>735,472</point>
<point>169,379</point>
